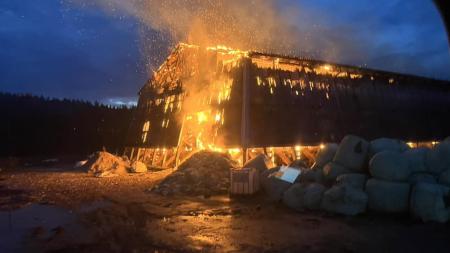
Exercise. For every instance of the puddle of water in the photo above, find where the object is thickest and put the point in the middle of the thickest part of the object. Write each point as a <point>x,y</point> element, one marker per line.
<point>95,205</point>
<point>17,224</point>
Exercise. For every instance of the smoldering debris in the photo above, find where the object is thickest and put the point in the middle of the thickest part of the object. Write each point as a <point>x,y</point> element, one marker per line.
<point>104,164</point>
<point>204,173</point>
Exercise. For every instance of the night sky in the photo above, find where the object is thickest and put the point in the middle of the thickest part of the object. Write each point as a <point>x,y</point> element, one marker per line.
<point>55,49</point>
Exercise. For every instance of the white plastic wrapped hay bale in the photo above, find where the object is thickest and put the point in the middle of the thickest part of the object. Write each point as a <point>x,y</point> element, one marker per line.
<point>430,202</point>
<point>344,200</point>
<point>332,170</point>
<point>444,178</point>
<point>304,196</point>
<point>355,180</point>
<point>390,166</point>
<point>312,175</point>
<point>275,188</point>
<point>258,162</point>
<point>352,153</point>
<point>422,178</point>
<point>265,175</point>
<point>438,158</point>
<point>325,155</point>
<point>387,144</point>
<point>388,197</point>
<point>417,159</point>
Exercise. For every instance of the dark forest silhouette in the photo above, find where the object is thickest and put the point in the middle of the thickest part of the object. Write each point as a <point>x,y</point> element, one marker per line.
<point>34,126</point>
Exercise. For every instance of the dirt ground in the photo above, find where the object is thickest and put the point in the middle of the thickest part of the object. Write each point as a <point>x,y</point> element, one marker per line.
<point>69,211</point>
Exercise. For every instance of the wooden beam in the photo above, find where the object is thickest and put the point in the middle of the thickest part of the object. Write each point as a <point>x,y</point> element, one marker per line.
<point>283,157</point>
<point>180,140</point>
<point>131,154</point>
<point>164,157</point>
<point>171,160</point>
<point>245,122</point>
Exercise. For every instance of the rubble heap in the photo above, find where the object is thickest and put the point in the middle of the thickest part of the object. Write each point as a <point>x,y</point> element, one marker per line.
<point>104,164</point>
<point>204,173</point>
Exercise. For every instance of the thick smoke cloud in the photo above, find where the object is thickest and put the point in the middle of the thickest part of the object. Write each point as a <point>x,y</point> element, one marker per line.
<point>256,24</point>
<point>370,35</point>
<point>262,25</point>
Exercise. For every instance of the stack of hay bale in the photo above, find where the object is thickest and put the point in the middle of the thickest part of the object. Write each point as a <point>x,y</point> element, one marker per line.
<point>430,195</point>
<point>346,174</point>
<point>389,188</point>
<point>384,175</point>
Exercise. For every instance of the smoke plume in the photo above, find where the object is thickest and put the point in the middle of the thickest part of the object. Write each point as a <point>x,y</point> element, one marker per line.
<point>261,25</point>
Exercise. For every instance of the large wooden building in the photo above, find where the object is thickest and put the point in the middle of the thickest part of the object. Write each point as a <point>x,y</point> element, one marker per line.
<point>245,103</point>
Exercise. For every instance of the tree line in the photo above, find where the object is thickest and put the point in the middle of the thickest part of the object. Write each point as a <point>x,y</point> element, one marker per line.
<point>35,126</point>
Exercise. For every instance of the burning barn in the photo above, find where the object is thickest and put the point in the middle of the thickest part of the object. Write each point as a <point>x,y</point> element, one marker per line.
<point>246,103</point>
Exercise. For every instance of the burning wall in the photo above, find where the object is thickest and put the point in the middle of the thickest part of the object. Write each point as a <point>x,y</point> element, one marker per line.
<point>187,103</point>
<point>229,100</point>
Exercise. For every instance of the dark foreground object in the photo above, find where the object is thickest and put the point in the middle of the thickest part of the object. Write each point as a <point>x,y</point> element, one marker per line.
<point>73,212</point>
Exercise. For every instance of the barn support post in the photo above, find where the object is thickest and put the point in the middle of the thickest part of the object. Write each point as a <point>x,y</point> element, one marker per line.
<point>164,157</point>
<point>180,140</point>
<point>153,157</point>
<point>131,154</point>
<point>245,109</point>
<point>138,154</point>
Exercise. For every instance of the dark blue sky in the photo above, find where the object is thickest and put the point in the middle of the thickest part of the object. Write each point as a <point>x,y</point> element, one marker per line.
<point>51,48</point>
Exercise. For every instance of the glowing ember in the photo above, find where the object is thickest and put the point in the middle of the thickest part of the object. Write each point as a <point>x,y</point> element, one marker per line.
<point>327,67</point>
<point>202,117</point>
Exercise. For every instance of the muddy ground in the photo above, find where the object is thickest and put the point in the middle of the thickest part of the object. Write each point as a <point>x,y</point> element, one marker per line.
<point>64,210</point>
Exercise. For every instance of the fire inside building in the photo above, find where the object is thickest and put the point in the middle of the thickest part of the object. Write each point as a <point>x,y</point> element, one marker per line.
<point>246,103</point>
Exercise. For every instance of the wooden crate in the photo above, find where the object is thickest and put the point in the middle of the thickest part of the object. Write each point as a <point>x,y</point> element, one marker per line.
<point>244,181</point>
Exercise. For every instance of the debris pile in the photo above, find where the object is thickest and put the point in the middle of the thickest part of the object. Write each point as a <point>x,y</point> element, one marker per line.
<point>104,164</point>
<point>138,167</point>
<point>204,173</point>
<point>384,175</point>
